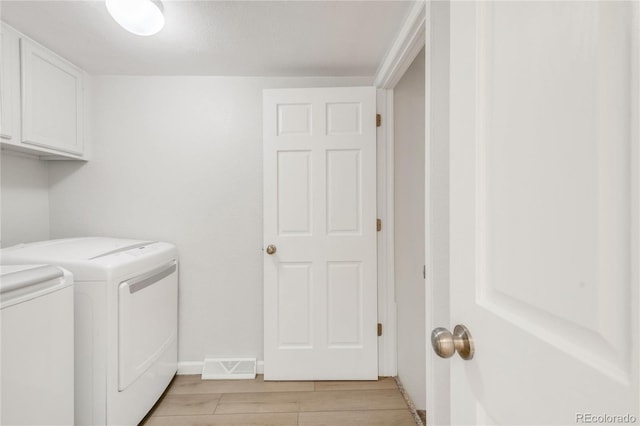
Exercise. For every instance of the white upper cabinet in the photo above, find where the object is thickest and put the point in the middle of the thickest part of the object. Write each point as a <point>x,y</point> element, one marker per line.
<point>51,100</point>
<point>41,100</point>
<point>10,86</point>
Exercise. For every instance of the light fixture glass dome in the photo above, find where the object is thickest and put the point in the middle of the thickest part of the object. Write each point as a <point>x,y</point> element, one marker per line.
<point>141,17</point>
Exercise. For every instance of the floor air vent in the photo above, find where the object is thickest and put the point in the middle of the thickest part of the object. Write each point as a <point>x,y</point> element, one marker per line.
<point>229,368</point>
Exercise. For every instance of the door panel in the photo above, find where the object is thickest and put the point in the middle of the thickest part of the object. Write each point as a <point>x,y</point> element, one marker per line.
<point>294,305</point>
<point>294,119</point>
<point>544,210</point>
<point>320,212</point>
<point>344,189</point>
<point>51,100</point>
<point>294,192</point>
<point>344,304</point>
<point>344,118</point>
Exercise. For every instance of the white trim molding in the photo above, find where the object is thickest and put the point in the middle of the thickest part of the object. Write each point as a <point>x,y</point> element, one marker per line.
<point>195,367</point>
<point>387,343</point>
<point>437,85</point>
<point>408,43</point>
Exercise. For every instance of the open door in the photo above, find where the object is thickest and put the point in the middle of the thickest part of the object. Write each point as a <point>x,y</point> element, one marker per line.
<point>544,199</point>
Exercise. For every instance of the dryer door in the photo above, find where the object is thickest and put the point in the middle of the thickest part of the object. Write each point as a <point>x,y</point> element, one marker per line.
<point>147,321</point>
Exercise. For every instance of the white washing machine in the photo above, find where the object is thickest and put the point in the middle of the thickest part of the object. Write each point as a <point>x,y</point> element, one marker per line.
<point>36,384</point>
<point>126,321</point>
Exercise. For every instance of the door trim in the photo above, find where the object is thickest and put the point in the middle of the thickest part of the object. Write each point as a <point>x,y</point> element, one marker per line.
<point>438,382</point>
<point>387,308</point>
<point>405,48</point>
<point>408,43</point>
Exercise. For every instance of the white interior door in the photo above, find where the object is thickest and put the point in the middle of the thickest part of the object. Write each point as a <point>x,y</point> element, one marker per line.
<point>544,204</point>
<point>320,285</point>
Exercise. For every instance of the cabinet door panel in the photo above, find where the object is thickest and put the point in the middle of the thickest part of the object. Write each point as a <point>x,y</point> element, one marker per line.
<point>9,86</point>
<point>52,100</point>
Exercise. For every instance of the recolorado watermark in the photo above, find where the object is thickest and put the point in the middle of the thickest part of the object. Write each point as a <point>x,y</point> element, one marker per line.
<point>591,418</point>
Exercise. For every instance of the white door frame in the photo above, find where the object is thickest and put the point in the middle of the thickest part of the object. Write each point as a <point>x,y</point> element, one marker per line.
<point>419,30</point>
<point>408,43</point>
<point>438,383</point>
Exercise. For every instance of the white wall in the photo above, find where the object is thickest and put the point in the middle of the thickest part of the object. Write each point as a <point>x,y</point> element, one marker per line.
<point>180,159</point>
<point>24,199</point>
<point>409,158</point>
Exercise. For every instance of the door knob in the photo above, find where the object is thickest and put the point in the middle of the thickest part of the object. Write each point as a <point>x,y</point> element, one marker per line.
<point>446,344</point>
<point>271,249</point>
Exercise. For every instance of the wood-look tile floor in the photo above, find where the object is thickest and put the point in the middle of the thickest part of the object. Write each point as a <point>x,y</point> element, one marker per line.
<point>190,401</point>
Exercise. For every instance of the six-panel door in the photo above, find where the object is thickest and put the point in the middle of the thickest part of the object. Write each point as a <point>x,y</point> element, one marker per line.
<point>320,285</point>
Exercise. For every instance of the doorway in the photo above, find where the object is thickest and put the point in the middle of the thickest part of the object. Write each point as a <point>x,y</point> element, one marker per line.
<point>409,226</point>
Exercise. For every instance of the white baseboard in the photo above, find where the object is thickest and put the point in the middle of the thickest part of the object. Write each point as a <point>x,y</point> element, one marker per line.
<point>195,367</point>
<point>190,367</point>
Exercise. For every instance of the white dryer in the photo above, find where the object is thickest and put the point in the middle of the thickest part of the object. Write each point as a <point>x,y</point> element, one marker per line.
<point>36,342</point>
<point>126,321</point>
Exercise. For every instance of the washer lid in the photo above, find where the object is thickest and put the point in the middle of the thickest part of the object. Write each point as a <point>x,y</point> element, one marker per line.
<point>19,283</point>
<point>70,249</point>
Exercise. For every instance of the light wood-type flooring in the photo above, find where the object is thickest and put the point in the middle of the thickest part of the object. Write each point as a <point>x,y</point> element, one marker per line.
<point>192,401</point>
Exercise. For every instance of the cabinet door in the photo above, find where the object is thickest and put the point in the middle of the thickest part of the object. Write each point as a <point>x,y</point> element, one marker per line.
<point>51,100</point>
<point>9,86</point>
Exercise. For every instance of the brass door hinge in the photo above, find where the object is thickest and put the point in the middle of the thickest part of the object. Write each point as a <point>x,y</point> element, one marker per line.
<point>378,120</point>
<point>379,329</point>
<point>379,225</point>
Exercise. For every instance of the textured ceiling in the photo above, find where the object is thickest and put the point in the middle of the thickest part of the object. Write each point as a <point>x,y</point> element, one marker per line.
<point>243,38</point>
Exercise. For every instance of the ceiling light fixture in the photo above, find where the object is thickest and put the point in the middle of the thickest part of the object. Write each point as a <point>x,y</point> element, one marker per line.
<point>141,17</point>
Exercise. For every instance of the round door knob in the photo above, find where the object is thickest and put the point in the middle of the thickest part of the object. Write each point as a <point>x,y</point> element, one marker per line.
<point>271,249</point>
<point>445,344</point>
